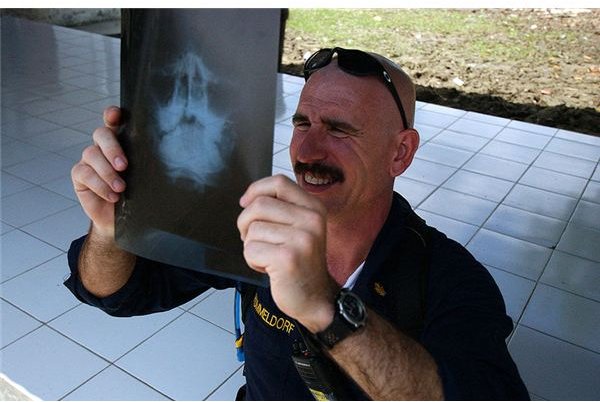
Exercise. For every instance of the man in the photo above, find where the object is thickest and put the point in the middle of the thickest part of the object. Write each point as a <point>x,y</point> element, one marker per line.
<point>340,226</point>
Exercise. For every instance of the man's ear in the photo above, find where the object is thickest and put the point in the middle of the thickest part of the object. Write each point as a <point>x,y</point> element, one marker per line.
<point>406,143</point>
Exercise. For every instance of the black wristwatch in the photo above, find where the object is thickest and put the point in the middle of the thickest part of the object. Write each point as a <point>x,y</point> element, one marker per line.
<point>350,316</point>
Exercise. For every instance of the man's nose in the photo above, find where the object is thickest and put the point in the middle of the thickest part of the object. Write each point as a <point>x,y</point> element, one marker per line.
<point>312,145</point>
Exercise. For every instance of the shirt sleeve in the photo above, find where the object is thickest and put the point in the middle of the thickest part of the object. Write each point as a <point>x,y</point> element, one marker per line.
<point>152,287</point>
<point>466,330</point>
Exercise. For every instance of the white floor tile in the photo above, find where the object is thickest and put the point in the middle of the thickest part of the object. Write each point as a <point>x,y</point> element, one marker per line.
<point>428,172</point>
<point>587,214</point>
<point>510,254</point>
<point>49,372</point>
<point>433,119</point>
<point>17,97</point>
<point>486,118</point>
<point>541,202</point>
<point>12,184</point>
<point>511,152</point>
<point>579,137</point>
<point>565,164</point>
<point>73,223</point>
<point>25,128</point>
<point>592,192</point>
<point>42,169</point>
<point>59,139</point>
<point>287,87</point>
<point>71,116</point>
<point>414,191</point>
<point>427,132</point>
<point>574,274</point>
<point>89,126</point>
<point>16,152</point>
<point>575,149</point>
<point>197,355</point>
<point>521,137</point>
<point>79,96</point>
<point>459,231</point>
<point>282,160</point>
<point>62,186</point>
<point>32,205</point>
<point>282,133</point>
<point>114,384</point>
<point>459,206</point>
<point>21,252</point>
<point>444,110</point>
<point>41,106</point>
<point>15,323</point>
<point>101,104</point>
<point>277,147</point>
<point>187,306</point>
<point>285,107</point>
<point>479,185</point>
<point>515,289</point>
<point>596,175</point>
<point>218,309</point>
<point>98,331</point>
<point>5,228</point>
<point>534,128</point>
<point>285,172</point>
<point>458,140</point>
<point>40,291</point>
<point>526,225</point>
<point>496,167</point>
<point>445,155</point>
<point>581,241</point>
<point>553,369</point>
<point>228,391</point>
<point>10,115</point>
<point>473,127</point>
<point>553,181</point>
<point>565,316</point>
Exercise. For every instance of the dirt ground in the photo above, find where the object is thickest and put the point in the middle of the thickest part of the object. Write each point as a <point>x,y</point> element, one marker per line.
<point>558,85</point>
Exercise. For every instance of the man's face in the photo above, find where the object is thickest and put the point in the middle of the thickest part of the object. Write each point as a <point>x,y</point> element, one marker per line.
<point>342,146</point>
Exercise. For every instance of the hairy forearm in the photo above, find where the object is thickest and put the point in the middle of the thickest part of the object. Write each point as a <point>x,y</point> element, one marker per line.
<point>104,267</point>
<point>387,364</point>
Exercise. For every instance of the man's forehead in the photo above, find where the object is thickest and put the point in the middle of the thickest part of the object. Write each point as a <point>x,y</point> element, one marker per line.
<point>332,87</point>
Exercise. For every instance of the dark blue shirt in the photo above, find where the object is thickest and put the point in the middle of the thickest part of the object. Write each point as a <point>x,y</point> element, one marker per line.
<point>464,327</point>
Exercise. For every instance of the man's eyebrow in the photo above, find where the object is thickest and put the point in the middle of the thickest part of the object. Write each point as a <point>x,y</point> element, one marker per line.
<point>331,122</point>
<point>342,125</point>
<point>299,118</point>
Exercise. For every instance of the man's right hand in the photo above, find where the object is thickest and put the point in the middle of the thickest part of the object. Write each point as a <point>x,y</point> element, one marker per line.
<point>96,178</point>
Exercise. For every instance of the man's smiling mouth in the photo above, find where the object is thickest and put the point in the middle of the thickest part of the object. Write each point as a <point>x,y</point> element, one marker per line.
<point>318,174</point>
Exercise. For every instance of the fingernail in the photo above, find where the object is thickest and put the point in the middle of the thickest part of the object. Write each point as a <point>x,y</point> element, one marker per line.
<point>118,185</point>
<point>113,197</point>
<point>120,164</point>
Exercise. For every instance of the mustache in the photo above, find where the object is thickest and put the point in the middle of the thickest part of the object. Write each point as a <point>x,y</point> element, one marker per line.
<point>319,169</point>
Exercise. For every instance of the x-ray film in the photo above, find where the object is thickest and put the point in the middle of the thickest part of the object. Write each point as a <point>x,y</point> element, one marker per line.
<point>198,90</point>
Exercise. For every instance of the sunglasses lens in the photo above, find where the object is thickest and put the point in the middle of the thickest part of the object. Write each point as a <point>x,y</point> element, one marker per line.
<point>358,63</point>
<point>317,60</point>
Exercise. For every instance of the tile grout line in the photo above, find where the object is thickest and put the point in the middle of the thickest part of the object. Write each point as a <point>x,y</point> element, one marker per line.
<point>561,340</point>
<point>227,379</point>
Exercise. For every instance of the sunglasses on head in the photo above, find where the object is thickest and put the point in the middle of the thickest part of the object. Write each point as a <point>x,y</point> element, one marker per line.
<point>355,62</point>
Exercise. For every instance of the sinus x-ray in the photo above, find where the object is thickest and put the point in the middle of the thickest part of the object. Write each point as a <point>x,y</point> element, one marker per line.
<point>198,91</point>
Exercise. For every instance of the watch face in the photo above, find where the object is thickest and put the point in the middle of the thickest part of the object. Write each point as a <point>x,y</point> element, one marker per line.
<point>353,309</point>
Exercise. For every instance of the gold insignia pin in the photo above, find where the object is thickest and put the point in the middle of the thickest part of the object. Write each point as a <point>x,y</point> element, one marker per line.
<point>379,289</point>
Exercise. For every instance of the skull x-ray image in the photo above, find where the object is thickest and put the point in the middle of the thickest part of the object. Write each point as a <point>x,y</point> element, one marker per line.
<point>192,142</point>
<point>198,88</point>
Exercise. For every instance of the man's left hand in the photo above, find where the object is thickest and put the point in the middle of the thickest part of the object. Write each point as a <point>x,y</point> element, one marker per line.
<point>284,233</point>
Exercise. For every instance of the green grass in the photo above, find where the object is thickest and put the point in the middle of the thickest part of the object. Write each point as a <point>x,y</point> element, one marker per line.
<point>397,31</point>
